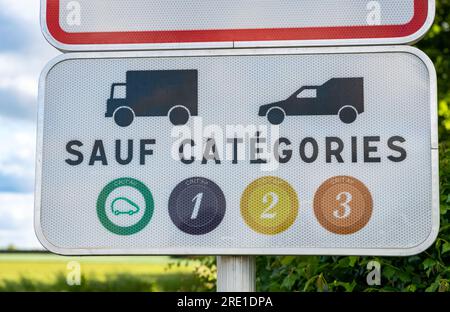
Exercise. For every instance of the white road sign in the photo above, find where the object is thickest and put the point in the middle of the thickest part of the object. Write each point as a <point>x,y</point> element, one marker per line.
<point>286,151</point>
<point>142,24</point>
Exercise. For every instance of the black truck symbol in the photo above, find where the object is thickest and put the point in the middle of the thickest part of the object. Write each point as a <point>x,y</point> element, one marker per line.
<point>172,93</point>
<point>338,96</point>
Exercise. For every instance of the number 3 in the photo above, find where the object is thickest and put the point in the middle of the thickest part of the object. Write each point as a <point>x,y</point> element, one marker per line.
<point>345,205</point>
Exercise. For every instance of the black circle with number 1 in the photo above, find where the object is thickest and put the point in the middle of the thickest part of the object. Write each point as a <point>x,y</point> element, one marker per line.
<point>197,206</point>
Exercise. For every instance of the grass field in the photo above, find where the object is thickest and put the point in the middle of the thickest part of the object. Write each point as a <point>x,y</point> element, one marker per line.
<point>46,272</point>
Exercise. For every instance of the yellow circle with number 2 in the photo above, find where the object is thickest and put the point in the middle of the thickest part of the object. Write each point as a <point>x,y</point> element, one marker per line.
<point>269,205</point>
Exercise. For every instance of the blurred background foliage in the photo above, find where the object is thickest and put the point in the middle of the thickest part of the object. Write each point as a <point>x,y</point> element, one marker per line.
<point>437,45</point>
<point>429,271</point>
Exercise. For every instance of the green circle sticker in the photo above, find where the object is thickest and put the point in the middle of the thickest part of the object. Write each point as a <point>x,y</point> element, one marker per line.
<point>125,206</point>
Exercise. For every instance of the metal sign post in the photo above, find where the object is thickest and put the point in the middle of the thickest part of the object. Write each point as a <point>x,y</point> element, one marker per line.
<point>236,274</point>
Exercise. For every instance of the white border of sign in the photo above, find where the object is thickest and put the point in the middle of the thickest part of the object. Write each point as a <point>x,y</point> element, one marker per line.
<point>246,251</point>
<point>411,39</point>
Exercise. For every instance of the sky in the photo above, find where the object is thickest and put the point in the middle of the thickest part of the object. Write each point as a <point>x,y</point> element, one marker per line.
<point>23,54</point>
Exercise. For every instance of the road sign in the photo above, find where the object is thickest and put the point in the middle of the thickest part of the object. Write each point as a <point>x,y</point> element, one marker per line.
<point>268,151</point>
<point>141,24</point>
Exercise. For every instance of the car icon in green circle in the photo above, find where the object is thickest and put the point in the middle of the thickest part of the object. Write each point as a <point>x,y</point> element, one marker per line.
<point>130,207</point>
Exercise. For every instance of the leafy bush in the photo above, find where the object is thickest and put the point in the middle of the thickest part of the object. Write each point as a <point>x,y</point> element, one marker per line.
<point>437,45</point>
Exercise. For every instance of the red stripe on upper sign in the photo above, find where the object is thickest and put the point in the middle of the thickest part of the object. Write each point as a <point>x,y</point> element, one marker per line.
<point>220,35</point>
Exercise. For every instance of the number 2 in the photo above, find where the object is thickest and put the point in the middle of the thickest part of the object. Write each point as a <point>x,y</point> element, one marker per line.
<point>344,204</point>
<point>198,201</point>
<point>266,213</point>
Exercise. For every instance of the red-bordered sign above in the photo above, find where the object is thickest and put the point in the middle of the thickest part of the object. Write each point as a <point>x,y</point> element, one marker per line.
<point>91,26</point>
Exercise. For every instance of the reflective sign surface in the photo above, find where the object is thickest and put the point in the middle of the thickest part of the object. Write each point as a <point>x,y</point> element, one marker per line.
<point>317,151</point>
<point>138,24</point>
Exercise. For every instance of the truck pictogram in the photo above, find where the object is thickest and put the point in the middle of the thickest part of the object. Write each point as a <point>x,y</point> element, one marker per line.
<point>172,93</point>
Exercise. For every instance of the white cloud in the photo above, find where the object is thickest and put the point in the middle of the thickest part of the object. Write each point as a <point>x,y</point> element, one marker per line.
<point>20,68</point>
<point>16,221</point>
<point>25,10</point>
<point>19,75</point>
<point>17,149</point>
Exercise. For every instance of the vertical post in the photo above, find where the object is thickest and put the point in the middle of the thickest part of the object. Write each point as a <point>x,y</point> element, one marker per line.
<point>236,274</point>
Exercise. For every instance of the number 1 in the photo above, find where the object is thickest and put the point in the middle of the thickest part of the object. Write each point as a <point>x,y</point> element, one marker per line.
<point>198,201</point>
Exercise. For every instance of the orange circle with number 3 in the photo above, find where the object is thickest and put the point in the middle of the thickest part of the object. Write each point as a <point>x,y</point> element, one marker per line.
<point>343,205</point>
